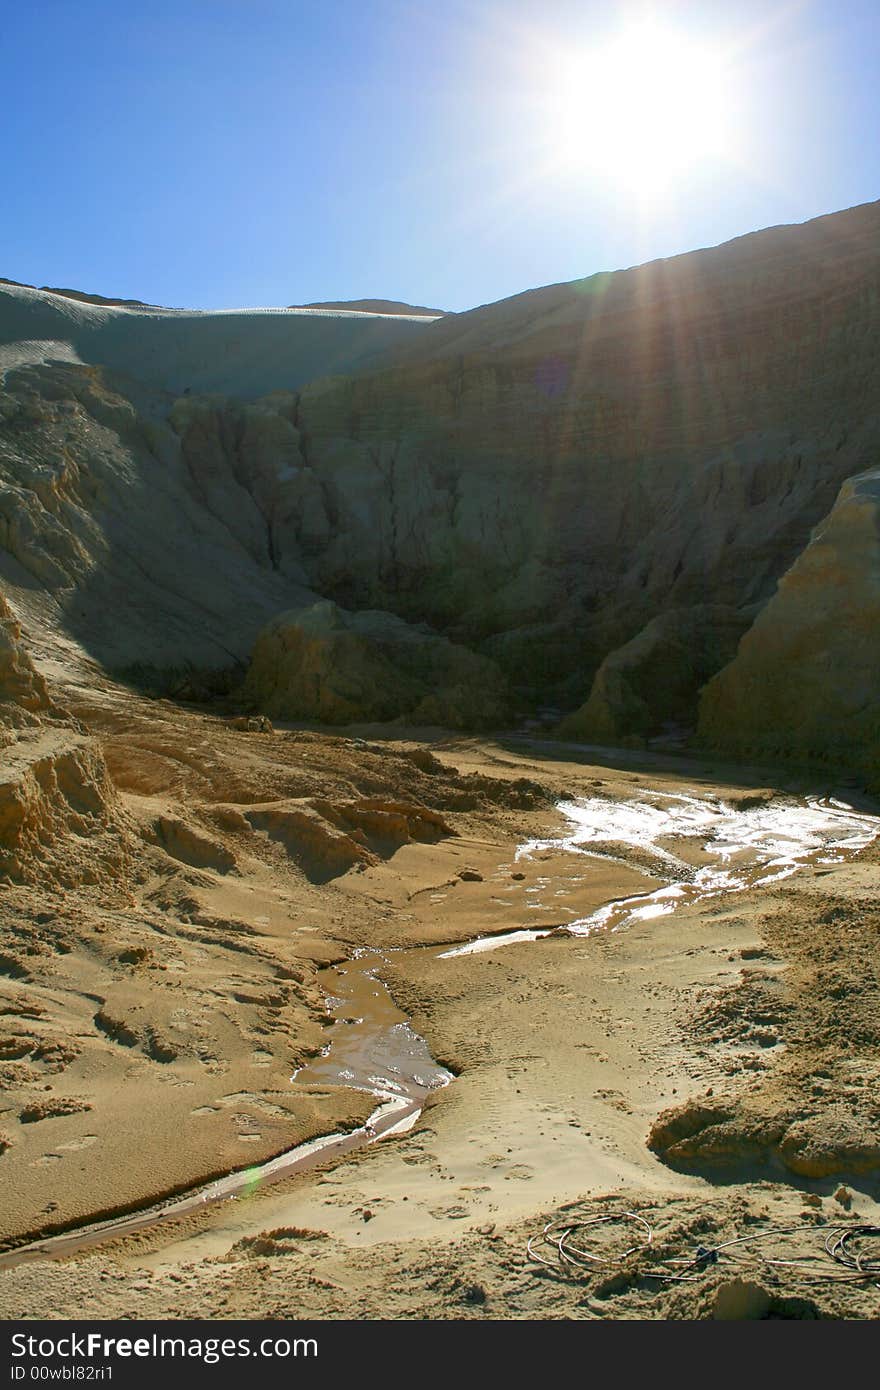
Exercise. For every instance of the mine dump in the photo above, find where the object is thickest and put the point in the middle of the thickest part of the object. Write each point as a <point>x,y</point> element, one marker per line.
<point>440,798</point>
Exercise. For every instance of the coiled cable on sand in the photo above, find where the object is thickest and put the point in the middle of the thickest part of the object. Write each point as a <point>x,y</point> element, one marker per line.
<point>837,1244</point>
<point>838,1258</point>
<point>571,1253</point>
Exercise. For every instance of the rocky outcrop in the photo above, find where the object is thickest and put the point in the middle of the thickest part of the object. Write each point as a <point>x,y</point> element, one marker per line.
<point>61,823</point>
<point>805,682</point>
<point>654,679</point>
<point>323,663</point>
<point>60,820</point>
<point>23,691</point>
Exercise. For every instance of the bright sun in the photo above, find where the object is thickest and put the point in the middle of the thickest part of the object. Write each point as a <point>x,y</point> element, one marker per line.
<point>643,109</point>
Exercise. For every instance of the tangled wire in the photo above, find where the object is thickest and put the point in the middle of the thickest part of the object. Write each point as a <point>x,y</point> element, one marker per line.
<point>839,1258</point>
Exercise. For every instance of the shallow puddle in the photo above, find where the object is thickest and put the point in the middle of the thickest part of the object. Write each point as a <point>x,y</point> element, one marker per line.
<point>371,1045</point>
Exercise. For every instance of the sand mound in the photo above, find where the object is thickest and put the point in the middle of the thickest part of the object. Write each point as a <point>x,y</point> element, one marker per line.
<point>740,1135</point>
<point>793,1099</point>
<point>328,838</point>
<point>324,663</point>
<point>184,842</point>
<point>374,306</point>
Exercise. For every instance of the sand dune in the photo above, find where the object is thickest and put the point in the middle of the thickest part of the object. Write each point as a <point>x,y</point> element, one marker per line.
<point>245,352</point>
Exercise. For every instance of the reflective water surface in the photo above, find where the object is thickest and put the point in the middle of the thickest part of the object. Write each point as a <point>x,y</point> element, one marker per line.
<point>706,846</point>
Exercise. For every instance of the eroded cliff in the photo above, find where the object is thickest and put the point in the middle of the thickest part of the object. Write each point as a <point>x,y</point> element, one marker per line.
<point>572,485</point>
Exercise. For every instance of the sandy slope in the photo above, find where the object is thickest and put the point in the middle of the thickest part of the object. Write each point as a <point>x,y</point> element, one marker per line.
<point>246,353</point>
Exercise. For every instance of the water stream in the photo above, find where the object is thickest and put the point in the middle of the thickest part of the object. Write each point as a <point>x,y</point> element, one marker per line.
<point>371,1044</point>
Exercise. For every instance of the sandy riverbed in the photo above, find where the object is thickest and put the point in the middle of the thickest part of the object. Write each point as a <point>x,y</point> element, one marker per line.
<point>753,1016</point>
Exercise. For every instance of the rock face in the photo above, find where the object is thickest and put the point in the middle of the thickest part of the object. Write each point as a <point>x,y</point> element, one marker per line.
<point>805,682</point>
<point>544,477</point>
<point>323,663</point>
<point>595,486</point>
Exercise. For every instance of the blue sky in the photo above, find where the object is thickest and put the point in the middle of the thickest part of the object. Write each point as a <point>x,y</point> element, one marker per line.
<point>213,153</point>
